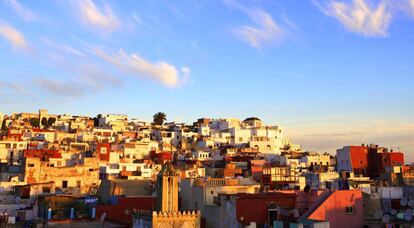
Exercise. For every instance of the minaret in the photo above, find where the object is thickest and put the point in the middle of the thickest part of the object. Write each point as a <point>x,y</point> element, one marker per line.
<point>167,189</point>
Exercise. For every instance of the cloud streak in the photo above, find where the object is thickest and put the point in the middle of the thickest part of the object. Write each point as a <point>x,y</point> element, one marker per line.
<point>25,13</point>
<point>102,18</point>
<point>133,64</point>
<point>14,37</point>
<point>88,80</point>
<point>332,134</point>
<point>263,31</point>
<point>411,6</point>
<point>69,88</point>
<point>359,16</point>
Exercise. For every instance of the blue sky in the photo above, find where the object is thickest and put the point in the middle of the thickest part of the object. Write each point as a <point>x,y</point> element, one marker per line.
<point>331,72</point>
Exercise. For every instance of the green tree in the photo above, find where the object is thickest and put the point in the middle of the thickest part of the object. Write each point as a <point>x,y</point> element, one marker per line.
<point>159,118</point>
<point>51,121</point>
<point>95,122</point>
<point>34,122</point>
<point>4,126</point>
<point>44,122</point>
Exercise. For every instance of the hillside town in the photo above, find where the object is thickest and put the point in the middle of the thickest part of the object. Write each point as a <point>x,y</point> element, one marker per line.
<point>114,171</point>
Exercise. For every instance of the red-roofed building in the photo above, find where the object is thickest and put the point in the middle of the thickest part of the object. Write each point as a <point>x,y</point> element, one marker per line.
<point>121,211</point>
<point>341,208</point>
<point>43,154</point>
<point>256,207</point>
<point>103,150</point>
<point>368,161</point>
<point>161,157</point>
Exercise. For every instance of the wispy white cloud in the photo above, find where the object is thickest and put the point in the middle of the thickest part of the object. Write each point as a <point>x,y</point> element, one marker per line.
<point>133,64</point>
<point>69,88</point>
<point>135,17</point>
<point>329,134</point>
<point>360,16</point>
<point>15,38</point>
<point>62,48</point>
<point>25,13</point>
<point>265,32</point>
<point>264,29</point>
<point>185,70</point>
<point>87,80</point>
<point>186,75</point>
<point>12,86</point>
<point>411,6</point>
<point>102,18</point>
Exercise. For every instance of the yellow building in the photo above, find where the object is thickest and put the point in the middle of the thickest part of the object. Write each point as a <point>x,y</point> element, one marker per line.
<point>167,213</point>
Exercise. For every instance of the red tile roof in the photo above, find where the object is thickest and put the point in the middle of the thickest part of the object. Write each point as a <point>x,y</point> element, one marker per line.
<point>33,153</point>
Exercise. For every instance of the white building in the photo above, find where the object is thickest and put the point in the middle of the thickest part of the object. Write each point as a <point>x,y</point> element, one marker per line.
<point>343,158</point>
<point>12,151</point>
<point>202,194</point>
<point>316,159</point>
<point>112,119</point>
<point>139,150</point>
<point>202,155</point>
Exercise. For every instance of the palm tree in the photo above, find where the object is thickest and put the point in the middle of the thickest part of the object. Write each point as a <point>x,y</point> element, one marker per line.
<point>159,118</point>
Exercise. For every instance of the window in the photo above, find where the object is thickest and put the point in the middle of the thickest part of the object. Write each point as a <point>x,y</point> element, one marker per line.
<point>64,184</point>
<point>78,183</point>
<point>240,139</point>
<point>46,189</point>
<point>104,150</point>
<point>30,165</point>
<point>349,210</point>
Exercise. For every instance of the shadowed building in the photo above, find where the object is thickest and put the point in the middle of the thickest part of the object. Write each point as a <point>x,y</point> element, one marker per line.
<point>167,213</point>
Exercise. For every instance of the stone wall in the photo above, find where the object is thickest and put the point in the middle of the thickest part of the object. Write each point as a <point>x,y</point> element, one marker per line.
<point>79,179</point>
<point>180,219</point>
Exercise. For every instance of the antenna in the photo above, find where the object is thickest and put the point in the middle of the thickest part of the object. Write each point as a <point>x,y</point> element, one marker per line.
<point>396,147</point>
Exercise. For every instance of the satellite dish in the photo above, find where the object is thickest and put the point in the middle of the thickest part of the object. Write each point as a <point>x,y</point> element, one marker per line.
<point>411,203</point>
<point>385,218</point>
<point>404,202</point>
<point>408,215</point>
<point>102,217</point>
<point>378,215</point>
<point>393,212</point>
<point>296,213</point>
